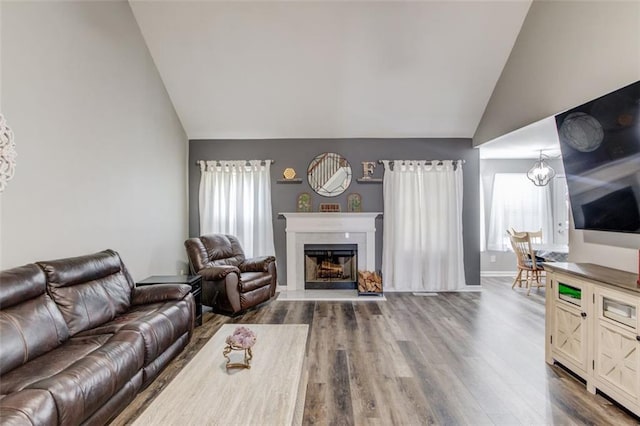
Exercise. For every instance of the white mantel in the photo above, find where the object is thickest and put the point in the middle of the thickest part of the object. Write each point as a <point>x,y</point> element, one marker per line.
<point>328,228</point>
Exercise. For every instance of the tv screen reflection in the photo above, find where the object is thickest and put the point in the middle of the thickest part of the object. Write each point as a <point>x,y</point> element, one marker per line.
<point>600,144</point>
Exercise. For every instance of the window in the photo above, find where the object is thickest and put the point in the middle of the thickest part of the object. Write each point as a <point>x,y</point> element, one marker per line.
<point>235,198</point>
<point>517,203</point>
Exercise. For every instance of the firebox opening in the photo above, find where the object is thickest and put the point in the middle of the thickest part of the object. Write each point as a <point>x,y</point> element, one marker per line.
<point>330,266</point>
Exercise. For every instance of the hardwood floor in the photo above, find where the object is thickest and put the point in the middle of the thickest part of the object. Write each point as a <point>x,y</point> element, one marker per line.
<point>457,358</point>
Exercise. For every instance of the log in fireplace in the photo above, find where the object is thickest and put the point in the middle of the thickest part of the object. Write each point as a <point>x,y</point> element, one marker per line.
<point>330,266</point>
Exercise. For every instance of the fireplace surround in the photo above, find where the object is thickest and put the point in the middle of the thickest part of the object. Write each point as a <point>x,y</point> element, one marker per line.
<point>328,228</point>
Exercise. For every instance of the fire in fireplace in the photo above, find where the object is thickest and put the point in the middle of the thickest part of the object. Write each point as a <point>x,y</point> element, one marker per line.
<point>330,266</point>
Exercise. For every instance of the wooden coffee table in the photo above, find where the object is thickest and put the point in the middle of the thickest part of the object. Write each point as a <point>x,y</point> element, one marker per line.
<point>272,391</point>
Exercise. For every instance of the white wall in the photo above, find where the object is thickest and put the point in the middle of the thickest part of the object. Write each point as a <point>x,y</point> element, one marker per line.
<point>329,69</point>
<point>1,110</point>
<point>611,256</point>
<point>101,152</point>
<point>567,53</point>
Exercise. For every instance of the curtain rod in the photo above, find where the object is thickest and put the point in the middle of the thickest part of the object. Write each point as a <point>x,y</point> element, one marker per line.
<point>220,161</point>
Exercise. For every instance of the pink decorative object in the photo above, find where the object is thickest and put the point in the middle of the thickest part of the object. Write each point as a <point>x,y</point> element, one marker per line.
<point>242,339</point>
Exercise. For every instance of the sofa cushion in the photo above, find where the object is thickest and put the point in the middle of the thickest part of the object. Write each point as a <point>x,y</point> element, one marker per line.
<point>87,384</point>
<point>160,324</point>
<point>51,363</point>
<point>89,290</point>
<point>30,323</point>
<point>28,407</point>
<point>117,403</point>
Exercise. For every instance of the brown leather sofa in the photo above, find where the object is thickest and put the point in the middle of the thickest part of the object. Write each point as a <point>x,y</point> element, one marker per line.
<point>230,282</point>
<point>79,340</point>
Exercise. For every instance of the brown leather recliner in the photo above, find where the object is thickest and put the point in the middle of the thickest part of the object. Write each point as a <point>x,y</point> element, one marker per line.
<point>230,282</point>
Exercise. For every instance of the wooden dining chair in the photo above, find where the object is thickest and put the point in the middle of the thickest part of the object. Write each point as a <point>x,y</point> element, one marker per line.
<point>526,261</point>
<point>536,240</point>
<point>520,278</point>
<point>536,237</point>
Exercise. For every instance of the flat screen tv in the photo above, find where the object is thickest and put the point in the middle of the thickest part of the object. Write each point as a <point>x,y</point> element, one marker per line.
<point>600,144</point>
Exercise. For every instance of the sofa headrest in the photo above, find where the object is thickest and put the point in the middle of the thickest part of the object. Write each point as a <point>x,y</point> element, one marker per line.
<point>20,284</point>
<point>31,323</point>
<point>89,290</point>
<point>214,249</point>
<point>81,269</point>
<point>218,246</point>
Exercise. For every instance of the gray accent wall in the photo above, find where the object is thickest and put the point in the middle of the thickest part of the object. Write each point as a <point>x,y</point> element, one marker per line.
<point>298,153</point>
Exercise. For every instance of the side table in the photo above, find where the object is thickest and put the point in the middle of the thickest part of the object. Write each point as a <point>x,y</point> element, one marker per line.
<point>195,281</point>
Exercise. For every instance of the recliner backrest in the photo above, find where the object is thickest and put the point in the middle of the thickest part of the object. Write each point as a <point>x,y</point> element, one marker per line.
<point>214,250</point>
<point>89,290</point>
<point>30,322</point>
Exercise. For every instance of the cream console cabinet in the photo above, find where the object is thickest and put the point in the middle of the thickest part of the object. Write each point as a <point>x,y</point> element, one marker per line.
<point>592,328</point>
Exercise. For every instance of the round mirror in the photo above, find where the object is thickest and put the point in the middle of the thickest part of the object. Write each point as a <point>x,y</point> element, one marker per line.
<point>329,174</point>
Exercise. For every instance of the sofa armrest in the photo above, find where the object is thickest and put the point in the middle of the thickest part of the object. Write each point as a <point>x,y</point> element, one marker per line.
<point>159,293</point>
<point>215,273</point>
<point>29,407</point>
<point>257,264</point>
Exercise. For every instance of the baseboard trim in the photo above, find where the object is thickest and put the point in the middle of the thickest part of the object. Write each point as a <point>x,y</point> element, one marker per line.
<point>498,273</point>
<point>466,288</point>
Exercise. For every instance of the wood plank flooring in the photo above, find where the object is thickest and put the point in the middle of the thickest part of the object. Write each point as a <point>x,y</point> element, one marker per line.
<point>454,359</point>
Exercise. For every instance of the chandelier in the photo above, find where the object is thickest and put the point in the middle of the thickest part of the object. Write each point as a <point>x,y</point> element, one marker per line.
<point>541,173</point>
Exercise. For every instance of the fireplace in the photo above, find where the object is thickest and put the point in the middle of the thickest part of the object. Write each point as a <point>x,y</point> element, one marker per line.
<point>330,266</point>
<point>328,228</point>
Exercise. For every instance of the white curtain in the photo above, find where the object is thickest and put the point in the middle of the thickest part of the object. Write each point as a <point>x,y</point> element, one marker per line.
<point>517,203</point>
<point>235,198</point>
<point>422,238</point>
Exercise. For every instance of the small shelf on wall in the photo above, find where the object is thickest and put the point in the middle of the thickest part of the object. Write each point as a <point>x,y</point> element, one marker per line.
<point>370,180</point>
<point>296,180</point>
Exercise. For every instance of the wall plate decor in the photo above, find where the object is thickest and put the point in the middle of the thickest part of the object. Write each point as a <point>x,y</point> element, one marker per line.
<point>330,207</point>
<point>354,203</point>
<point>329,174</point>
<point>7,154</point>
<point>289,173</point>
<point>304,203</point>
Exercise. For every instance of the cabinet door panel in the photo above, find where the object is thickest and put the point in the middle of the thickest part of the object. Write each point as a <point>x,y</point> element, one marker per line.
<point>617,361</point>
<point>570,336</point>
<point>617,358</point>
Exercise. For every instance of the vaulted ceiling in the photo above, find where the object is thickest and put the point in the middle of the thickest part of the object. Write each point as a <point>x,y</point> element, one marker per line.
<point>306,69</point>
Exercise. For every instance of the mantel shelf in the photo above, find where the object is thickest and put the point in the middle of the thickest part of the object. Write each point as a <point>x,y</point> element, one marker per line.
<point>332,215</point>
<point>370,180</point>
